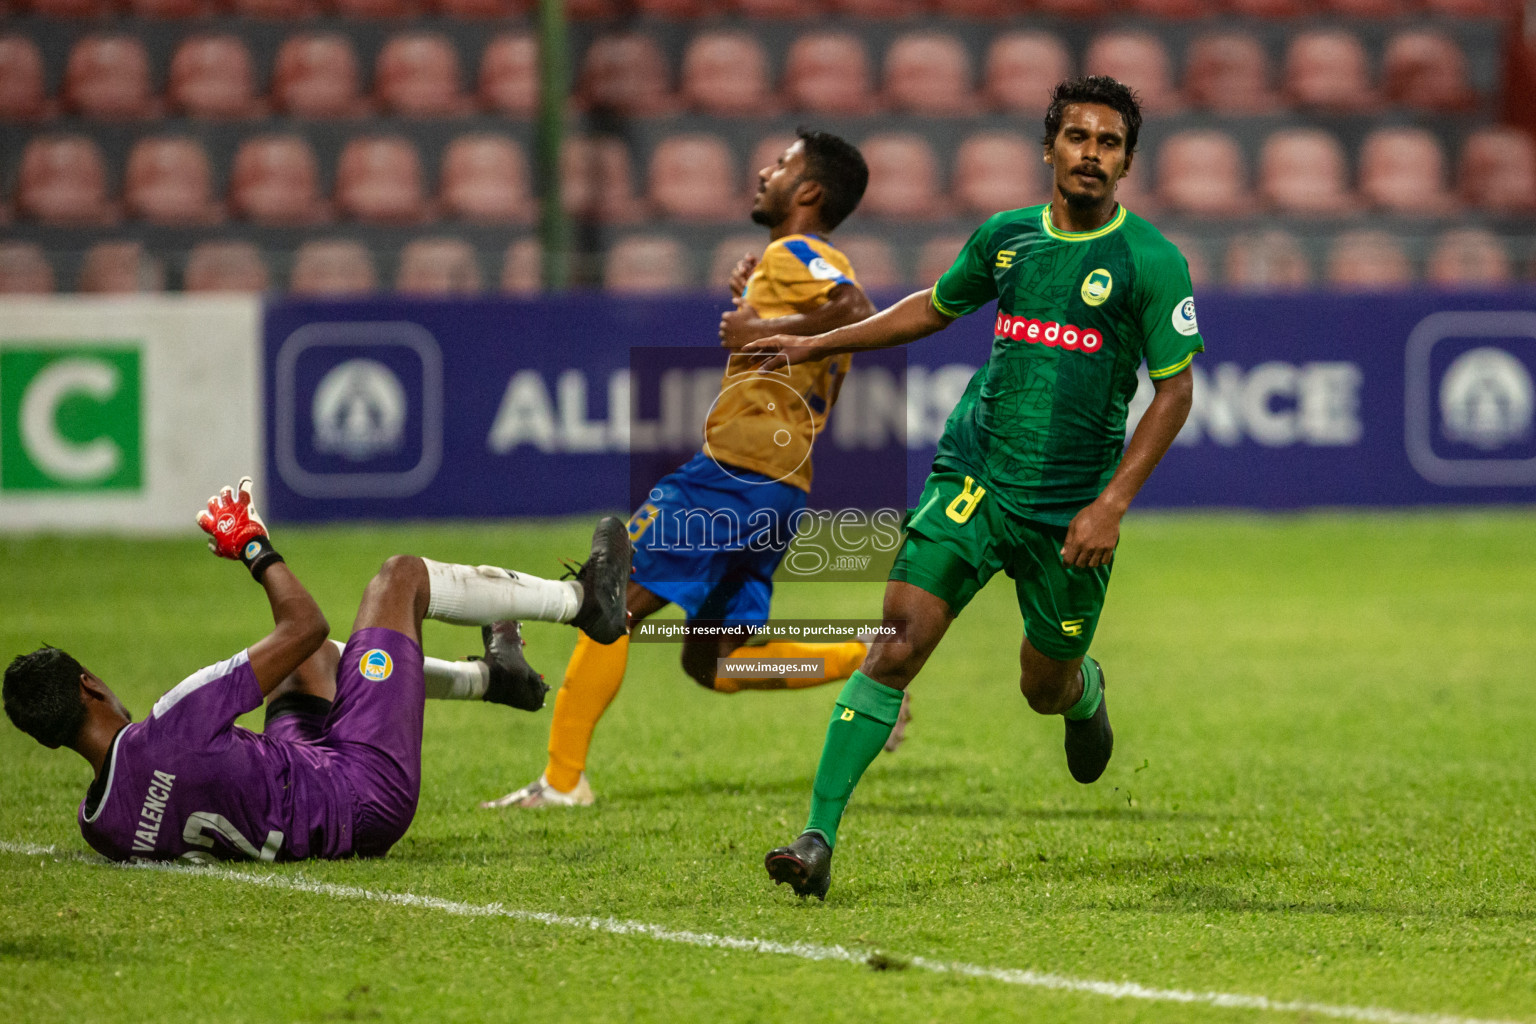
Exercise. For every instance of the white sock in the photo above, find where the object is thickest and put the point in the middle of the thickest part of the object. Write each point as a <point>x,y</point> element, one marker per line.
<point>456,680</point>
<point>477,595</point>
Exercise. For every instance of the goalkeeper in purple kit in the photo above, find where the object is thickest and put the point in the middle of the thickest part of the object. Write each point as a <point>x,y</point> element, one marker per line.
<point>337,771</point>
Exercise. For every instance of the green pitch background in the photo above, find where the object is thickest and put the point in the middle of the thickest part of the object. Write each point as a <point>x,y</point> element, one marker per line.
<point>1324,788</point>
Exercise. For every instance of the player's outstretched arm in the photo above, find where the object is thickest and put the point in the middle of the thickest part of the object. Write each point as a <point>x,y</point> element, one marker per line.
<point>908,320</point>
<point>236,532</point>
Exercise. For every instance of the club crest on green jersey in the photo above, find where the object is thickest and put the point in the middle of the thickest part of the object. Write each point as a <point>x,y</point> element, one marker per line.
<point>1097,286</point>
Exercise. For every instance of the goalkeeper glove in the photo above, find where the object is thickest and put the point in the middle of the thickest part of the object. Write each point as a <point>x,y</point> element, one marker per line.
<point>236,529</point>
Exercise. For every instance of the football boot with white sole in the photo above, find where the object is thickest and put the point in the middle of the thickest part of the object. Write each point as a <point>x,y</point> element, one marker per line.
<point>540,793</point>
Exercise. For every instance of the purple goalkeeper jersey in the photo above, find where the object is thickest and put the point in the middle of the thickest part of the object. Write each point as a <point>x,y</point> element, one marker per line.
<point>187,782</point>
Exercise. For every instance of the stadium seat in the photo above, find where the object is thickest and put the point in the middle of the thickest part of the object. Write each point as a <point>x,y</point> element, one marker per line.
<point>903,178</point>
<point>1229,73</point>
<point>936,256</point>
<point>68,8</point>
<point>693,178</point>
<point>1172,9</point>
<point>1073,9</point>
<point>625,74</point>
<point>212,76</point>
<point>1202,172</point>
<point>1273,9</point>
<point>828,73</point>
<point>1368,261</point>
<point>169,181</point>
<point>646,264</point>
<point>23,94</point>
<point>379,180</point>
<point>1469,258</point>
<point>375,8</point>
<point>333,267</point>
<point>509,75</point>
<point>107,77</point>
<point>1140,60</point>
<point>1426,70</point>
<point>522,268</point>
<point>1403,170</point>
<point>276,180</point>
<point>597,181</point>
<point>1327,70</point>
<point>929,73</point>
<point>1497,170</point>
<point>276,10</point>
<point>998,171</point>
<point>119,268</point>
<point>876,9</point>
<point>1267,261</point>
<point>728,252</point>
<point>476,10</point>
<point>1022,69</point>
<point>873,261</point>
<point>225,267</point>
<point>986,10</point>
<point>1367,9</point>
<point>24,269</point>
<point>1470,9</point>
<point>485,178</point>
<point>778,10</point>
<point>316,76</point>
<point>63,180</point>
<point>170,10</point>
<point>677,10</point>
<point>595,10</point>
<point>417,75</point>
<point>438,266</point>
<point>1304,171</point>
<point>726,74</point>
<point>1193,251</point>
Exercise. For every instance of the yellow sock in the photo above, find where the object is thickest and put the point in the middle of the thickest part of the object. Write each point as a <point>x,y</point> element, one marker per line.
<point>839,661</point>
<point>592,678</point>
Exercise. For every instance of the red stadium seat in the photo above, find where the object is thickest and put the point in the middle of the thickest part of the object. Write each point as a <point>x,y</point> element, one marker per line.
<point>1202,172</point>
<point>63,180</point>
<point>998,171</point>
<point>594,10</point>
<point>69,8</point>
<point>276,180</point>
<point>929,73</point>
<point>1497,170</point>
<point>1366,9</point>
<point>1403,170</point>
<point>1173,9</point>
<point>225,267</point>
<point>903,178</point>
<point>212,76</point>
<point>485,178</point>
<point>873,261</point>
<point>779,10</point>
<point>438,266</point>
<point>1304,171</point>
<point>1022,69</point>
<point>694,178</point>
<point>979,9</point>
<point>726,74</point>
<point>333,267</point>
<point>474,10</point>
<point>1140,60</point>
<point>597,181</point>
<point>678,10</point>
<point>376,8</point>
<point>379,180</point>
<point>276,10</point>
<point>169,181</point>
<point>828,73</point>
<point>646,264</point>
<point>317,76</point>
<point>509,75</point>
<point>522,268</point>
<point>1368,261</point>
<point>876,9</point>
<point>1328,70</point>
<point>1469,258</point>
<point>24,270</point>
<point>107,77</point>
<point>23,95</point>
<point>936,256</point>
<point>626,74</point>
<point>1075,9</point>
<point>728,252</point>
<point>1193,251</point>
<point>1268,261</point>
<point>1426,70</point>
<point>417,75</point>
<point>170,9</point>
<point>1471,9</point>
<point>1273,9</point>
<point>119,268</point>
<point>1229,73</point>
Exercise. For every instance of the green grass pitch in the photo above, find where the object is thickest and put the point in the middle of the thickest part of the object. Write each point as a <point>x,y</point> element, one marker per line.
<point>1324,790</point>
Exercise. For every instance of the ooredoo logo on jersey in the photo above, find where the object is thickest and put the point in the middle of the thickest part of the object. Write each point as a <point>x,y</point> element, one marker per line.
<point>1048,333</point>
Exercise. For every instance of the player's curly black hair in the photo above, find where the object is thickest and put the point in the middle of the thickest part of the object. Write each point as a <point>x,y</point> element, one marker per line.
<point>42,696</point>
<point>1094,89</point>
<point>839,168</point>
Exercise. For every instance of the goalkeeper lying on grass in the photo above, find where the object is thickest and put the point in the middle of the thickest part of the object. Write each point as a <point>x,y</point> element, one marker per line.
<point>337,771</point>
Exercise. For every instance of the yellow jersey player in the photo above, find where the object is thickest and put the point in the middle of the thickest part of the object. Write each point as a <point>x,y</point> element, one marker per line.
<point>711,534</point>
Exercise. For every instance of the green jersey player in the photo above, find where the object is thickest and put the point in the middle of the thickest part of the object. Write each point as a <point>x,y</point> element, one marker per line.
<point>1033,473</point>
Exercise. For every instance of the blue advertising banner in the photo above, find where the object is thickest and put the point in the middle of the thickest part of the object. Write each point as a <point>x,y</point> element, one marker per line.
<point>397,409</point>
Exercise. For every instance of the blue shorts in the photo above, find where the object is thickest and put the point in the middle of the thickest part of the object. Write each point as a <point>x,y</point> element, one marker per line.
<point>708,540</point>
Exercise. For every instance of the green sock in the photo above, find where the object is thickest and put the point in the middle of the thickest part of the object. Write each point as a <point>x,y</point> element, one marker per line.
<point>861,723</point>
<point>1093,691</point>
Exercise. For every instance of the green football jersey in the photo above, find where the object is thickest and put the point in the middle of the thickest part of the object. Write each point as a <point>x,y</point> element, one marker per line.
<point>1043,422</point>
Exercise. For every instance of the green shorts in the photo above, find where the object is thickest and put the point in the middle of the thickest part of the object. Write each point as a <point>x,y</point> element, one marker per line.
<point>959,536</point>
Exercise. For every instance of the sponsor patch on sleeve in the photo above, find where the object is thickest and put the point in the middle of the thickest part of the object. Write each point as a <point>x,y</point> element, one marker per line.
<point>1184,317</point>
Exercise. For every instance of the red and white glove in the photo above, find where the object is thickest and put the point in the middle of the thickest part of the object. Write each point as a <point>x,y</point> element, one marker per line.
<point>236,529</point>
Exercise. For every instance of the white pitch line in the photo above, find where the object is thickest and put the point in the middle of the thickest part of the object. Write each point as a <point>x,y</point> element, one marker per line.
<point>801,950</point>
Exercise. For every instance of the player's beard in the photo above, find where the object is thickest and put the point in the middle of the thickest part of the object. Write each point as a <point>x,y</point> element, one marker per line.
<point>768,217</point>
